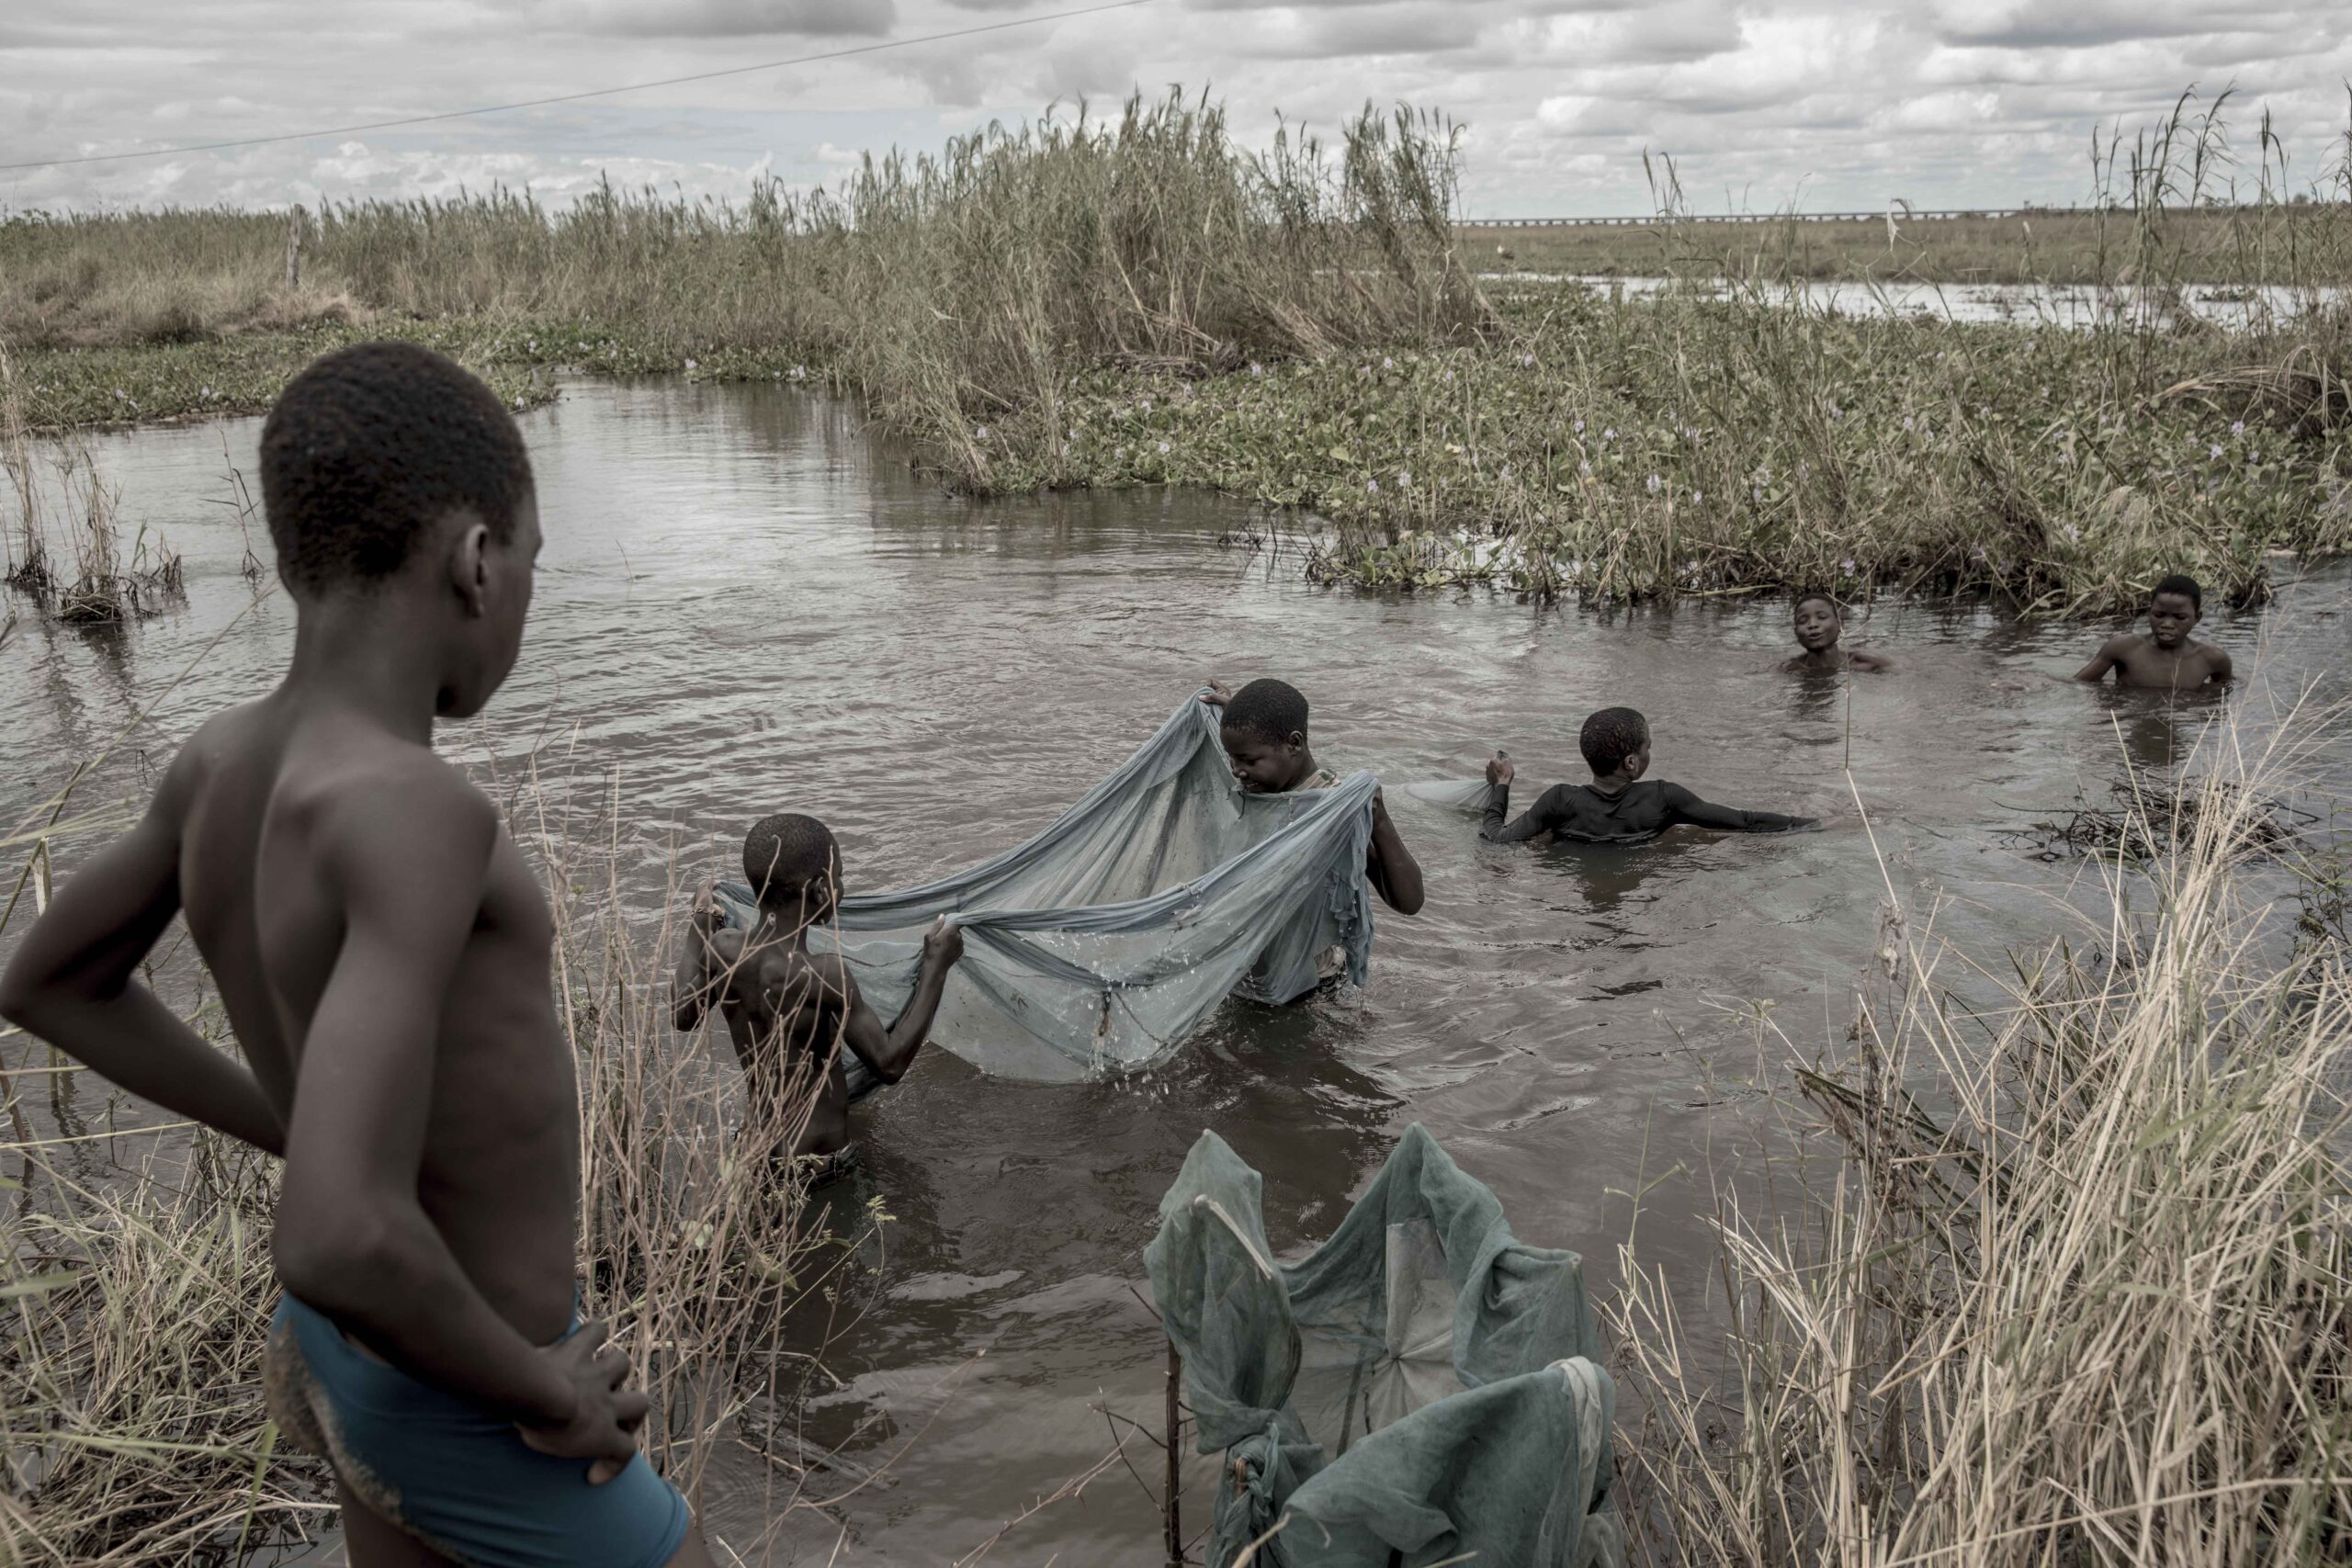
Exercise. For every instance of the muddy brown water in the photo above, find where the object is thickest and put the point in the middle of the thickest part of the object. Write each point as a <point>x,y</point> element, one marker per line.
<point>746,606</point>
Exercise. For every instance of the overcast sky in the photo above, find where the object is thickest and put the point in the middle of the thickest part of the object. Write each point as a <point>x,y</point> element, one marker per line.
<point>1824,104</point>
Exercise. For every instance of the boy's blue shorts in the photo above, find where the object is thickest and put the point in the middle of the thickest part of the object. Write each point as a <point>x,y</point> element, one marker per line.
<point>462,1482</point>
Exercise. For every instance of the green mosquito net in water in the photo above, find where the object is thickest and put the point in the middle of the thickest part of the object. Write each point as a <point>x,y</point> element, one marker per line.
<point>1105,941</point>
<point>1421,1389</point>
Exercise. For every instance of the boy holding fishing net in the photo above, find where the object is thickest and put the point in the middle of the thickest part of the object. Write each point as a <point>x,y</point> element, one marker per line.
<point>383,954</point>
<point>796,1016</point>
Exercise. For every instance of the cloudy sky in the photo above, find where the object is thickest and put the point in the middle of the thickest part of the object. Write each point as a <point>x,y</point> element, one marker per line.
<point>1824,104</point>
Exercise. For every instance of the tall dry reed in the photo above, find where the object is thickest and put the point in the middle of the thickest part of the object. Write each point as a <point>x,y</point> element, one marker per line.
<point>2078,1287</point>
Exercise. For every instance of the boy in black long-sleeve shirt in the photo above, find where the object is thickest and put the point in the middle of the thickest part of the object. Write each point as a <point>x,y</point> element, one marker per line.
<point>1615,807</point>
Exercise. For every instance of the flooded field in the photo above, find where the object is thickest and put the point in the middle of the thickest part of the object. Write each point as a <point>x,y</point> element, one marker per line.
<point>746,606</point>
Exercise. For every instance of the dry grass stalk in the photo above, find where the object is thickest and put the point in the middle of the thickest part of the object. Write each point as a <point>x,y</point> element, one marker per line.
<point>2080,1288</point>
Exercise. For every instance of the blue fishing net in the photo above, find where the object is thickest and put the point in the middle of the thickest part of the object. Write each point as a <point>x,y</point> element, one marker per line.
<point>1102,941</point>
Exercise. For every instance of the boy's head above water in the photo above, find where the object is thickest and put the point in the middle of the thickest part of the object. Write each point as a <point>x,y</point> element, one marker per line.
<point>1616,744</point>
<point>401,503</point>
<point>1264,733</point>
<point>2173,610</point>
<point>1818,623</point>
<point>794,866</point>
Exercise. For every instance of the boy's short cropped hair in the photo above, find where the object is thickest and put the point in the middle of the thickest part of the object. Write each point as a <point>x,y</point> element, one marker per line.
<point>372,445</point>
<point>2182,583</point>
<point>788,851</point>
<point>1272,710</point>
<point>1609,737</point>
<point>1816,594</point>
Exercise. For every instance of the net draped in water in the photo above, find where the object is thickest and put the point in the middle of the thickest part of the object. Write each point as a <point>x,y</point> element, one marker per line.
<point>1102,941</point>
<point>1421,1389</point>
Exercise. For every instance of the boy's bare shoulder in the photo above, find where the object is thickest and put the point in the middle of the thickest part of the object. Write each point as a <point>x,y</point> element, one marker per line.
<point>373,791</point>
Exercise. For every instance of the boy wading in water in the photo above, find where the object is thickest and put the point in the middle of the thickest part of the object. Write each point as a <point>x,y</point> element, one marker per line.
<point>1616,806</point>
<point>1264,734</point>
<point>1818,627</point>
<point>790,1010</point>
<point>2164,655</point>
<point>382,951</point>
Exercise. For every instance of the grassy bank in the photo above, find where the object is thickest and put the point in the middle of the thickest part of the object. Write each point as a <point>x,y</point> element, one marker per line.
<point>2224,249</point>
<point>1138,300</point>
<point>136,1274</point>
<point>2073,1284</point>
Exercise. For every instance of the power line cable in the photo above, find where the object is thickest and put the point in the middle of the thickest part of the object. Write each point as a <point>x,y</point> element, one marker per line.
<point>575,98</point>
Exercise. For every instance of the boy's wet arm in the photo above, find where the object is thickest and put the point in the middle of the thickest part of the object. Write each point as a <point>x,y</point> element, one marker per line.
<point>75,982</point>
<point>410,861</point>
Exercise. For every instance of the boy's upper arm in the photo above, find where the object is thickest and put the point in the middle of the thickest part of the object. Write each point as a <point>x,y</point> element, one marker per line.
<point>405,862</point>
<point>1684,806</point>
<point>109,912</point>
<point>2110,654</point>
<point>2223,668</point>
<point>862,1028</point>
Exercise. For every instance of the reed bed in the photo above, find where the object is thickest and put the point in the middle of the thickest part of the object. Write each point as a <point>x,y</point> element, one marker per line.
<point>2076,1290</point>
<point>132,1428</point>
<point>1136,300</point>
<point>105,584</point>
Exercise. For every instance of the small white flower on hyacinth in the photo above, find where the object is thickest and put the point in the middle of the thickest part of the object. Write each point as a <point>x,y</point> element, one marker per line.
<point>2215,451</point>
<point>1907,421</point>
<point>1256,368</point>
<point>1404,475</point>
<point>1147,405</point>
<point>1387,364</point>
<point>691,366</point>
<point>1372,486</point>
<point>1163,448</point>
<point>2073,535</point>
<point>1610,433</point>
<point>1584,466</point>
<point>2238,429</point>
<point>1698,495</point>
<point>1653,484</point>
<point>1579,427</point>
<point>1846,566</point>
<point>982,433</point>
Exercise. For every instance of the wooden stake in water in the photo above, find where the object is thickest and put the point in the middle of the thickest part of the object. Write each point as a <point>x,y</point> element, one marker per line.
<point>1175,1525</point>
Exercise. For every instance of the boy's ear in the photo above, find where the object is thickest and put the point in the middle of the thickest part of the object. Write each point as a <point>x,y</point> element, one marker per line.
<point>470,565</point>
<point>1297,740</point>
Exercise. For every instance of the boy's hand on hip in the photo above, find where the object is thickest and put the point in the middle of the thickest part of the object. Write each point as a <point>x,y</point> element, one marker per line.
<point>943,944</point>
<point>603,1423</point>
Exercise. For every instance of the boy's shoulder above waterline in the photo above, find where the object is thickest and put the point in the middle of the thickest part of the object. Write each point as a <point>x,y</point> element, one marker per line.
<point>2138,658</point>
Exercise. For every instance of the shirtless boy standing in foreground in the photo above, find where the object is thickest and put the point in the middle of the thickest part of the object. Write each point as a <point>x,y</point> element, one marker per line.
<point>382,951</point>
<point>2163,655</point>
<point>788,1010</point>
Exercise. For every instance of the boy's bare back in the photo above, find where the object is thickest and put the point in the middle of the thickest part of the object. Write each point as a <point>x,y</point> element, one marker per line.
<point>379,866</point>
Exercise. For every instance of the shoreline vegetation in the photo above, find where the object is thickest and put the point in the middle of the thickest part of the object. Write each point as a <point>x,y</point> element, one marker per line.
<point>1138,300</point>
<point>2073,1283</point>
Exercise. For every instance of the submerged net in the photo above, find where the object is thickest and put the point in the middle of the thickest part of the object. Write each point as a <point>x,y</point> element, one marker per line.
<point>1105,941</point>
<point>1421,1389</point>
